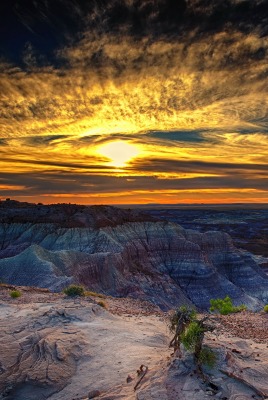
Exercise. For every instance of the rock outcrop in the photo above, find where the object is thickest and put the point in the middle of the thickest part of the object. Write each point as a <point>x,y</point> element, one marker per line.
<point>57,348</point>
<point>62,349</point>
<point>39,350</point>
<point>119,252</point>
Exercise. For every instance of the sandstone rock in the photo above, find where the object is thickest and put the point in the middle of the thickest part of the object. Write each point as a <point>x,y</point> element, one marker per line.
<point>38,354</point>
<point>62,349</point>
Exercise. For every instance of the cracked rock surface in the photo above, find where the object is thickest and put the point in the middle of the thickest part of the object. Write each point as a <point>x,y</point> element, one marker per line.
<point>60,348</point>
<point>57,348</point>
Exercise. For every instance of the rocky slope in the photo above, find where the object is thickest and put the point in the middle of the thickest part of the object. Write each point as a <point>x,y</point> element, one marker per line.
<point>57,348</point>
<point>124,253</point>
<point>247,224</point>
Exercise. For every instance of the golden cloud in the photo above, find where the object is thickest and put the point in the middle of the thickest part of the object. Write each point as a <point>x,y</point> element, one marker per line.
<point>113,86</point>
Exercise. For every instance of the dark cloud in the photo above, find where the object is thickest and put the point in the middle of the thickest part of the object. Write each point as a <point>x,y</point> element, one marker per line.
<point>194,166</point>
<point>37,29</point>
<point>3,142</point>
<point>248,131</point>
<point>41,140</point>
<point>62,183</point>
<point>179,136</point>
<point>60,164</point>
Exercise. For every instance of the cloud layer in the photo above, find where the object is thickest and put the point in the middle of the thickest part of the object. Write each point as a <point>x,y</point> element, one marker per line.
<point>185,81</point>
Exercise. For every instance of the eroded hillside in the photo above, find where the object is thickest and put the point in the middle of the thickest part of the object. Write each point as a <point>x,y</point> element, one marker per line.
<point>128,255</point>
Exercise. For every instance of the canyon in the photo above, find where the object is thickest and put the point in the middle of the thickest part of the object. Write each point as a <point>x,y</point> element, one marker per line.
<point>124,252</point>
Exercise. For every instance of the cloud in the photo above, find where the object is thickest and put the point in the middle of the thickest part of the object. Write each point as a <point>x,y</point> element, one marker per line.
<point>166,165</point>
<point>43,27</point>
<point>178,136</point>
<point>185,81</point>
<point>43,141</point>
<point>89,188</point>
<point>70,165</point>
<point>205,70</point>
<point>3,142</point>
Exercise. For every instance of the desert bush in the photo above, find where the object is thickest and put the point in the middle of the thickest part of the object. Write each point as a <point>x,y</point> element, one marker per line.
<point>181,313</point>
<point>207,357</point>
<point>15,294</point>
<point>74,290</point>
<point>190,331</point>
<point>102,304</point>
<point>190,337</point>
<point>225,306</point>
<point>179,321</point>
<point>265,308</point>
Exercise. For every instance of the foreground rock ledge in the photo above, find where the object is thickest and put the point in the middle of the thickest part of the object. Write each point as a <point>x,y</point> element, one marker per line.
<point>57,348</point>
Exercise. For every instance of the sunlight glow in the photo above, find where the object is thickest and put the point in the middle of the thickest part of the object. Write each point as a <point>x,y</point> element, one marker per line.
<point>119,152</point>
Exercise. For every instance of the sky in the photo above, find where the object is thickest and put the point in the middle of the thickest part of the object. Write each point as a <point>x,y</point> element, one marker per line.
<point>134,101</point>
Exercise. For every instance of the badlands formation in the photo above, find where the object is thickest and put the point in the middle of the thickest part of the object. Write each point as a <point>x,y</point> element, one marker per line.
<point>124,253</point>
<point>55,347</point>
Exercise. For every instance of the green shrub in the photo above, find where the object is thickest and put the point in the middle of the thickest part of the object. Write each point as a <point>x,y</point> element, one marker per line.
<point>74,290</point>
<point>15,294</point>
<point>225,306</point>
<point>102,304</point>
<point>265,308</point>
<point>190,337</point>
<point>207,357</point>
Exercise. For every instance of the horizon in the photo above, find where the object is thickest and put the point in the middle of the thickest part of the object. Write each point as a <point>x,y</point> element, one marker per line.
<point>134,102</point>
<point>150,205</point>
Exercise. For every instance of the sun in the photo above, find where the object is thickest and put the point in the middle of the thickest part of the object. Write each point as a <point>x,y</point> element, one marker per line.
<point>119,152</point>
